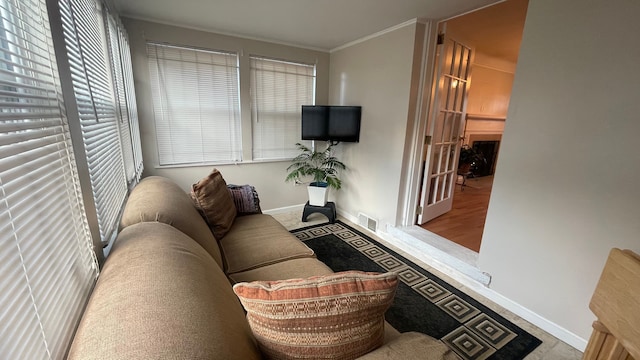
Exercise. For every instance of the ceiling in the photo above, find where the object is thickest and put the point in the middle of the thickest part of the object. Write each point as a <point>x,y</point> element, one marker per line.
<point>316,24</point>
<point>496,30</point>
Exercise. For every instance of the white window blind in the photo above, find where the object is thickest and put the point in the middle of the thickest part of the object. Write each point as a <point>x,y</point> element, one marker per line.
<point>120,97</point>
<point>87,53</point>
<point>278,91</point>
<point>46,260</point>
<point>132,106</point>
<point>196,104</point>
<point>125,98</point>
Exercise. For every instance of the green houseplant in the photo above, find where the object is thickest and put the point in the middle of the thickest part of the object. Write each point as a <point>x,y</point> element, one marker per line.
<point>321,166</point>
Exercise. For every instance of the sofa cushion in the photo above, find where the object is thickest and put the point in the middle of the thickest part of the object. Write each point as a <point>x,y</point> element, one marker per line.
<point>159,199</point>
<point>213,200</point>
<point>412,345</point>
<point>161,296</point>
<point>258,240</point>
<point>289,269</point>
<point>338,316</point>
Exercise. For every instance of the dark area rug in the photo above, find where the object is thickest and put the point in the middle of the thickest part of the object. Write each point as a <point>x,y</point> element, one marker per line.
<point>423,302</point>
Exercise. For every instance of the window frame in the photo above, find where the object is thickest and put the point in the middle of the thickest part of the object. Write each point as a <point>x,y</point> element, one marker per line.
<point>244,98</point>
<point>255,116</point>
<point>164,111</point>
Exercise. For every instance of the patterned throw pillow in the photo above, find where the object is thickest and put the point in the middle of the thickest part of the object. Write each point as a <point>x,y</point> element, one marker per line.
<point>337,316</point>
<point>214,202</point>
<point>245,197</point>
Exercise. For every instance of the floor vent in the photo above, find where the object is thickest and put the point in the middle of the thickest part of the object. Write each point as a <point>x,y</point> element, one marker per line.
<point>367,222</point>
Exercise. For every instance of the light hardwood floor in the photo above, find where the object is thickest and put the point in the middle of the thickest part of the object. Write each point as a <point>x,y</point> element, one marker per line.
<point>465,222</point>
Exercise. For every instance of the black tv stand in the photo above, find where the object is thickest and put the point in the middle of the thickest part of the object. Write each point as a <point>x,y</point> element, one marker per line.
<point>328,210</point>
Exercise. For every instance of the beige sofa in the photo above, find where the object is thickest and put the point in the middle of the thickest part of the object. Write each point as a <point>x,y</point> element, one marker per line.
<point>165,291</point>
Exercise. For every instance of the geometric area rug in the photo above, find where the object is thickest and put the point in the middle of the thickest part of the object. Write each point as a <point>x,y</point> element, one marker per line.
<point>423,302</point>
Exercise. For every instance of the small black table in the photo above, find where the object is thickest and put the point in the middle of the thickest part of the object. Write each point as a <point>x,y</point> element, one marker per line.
<point>328,210</point>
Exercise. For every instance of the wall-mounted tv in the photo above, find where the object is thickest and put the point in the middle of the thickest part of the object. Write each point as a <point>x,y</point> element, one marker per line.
<point>344,123</point>
<point>315,122</point>
<point>331,123</point>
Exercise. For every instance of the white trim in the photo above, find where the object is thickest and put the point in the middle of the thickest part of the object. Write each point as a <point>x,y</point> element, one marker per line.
<point>463,276</point>
<point>221,32</point>
<point>375,35</point>
<point>472,11</point>
<point>220,163</point>
<point>411,192</point>
<point>353,219</point>
<point>285,209</point>
<point>459,274</point>
<point>465,280</point>
<point>407,208</point>
<point>511,71</point>
<point>543,323</point>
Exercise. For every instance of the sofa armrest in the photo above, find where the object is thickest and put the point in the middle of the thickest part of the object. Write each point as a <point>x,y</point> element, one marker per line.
<point>412,345</point>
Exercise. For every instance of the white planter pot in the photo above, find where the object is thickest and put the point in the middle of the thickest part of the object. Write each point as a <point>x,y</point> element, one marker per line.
<point>318,195</point>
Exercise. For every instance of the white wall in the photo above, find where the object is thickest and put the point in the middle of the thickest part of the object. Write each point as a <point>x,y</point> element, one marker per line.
<point>566,190</point>
<point>267,177</point>
<point>375,74</point>
<point>491,84</point>
<point>488,99</point>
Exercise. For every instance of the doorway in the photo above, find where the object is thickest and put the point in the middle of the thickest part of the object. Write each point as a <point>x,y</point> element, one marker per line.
<point>494,33</point>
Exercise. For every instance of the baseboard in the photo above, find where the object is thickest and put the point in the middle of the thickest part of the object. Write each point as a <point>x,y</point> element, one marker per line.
<point>541,322</point>
<point>469,281</point>
<point>351,218</point>
<point>285,209</point>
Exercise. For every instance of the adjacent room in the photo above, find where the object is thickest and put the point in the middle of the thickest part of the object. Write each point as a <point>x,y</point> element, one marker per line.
<point>494,34</point>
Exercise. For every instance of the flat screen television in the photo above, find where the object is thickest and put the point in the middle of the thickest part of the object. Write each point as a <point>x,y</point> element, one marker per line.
<point>344,123</point>
<point>315,121</point>
<point>331,123</point>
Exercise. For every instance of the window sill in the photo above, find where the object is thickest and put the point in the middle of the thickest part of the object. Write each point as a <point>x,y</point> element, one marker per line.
<point>221,163</point>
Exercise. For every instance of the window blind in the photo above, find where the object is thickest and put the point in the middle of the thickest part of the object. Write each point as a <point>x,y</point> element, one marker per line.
<point>278,91</point>
<point>125,98</point>
<point>196,104</point>
<point>132,106</point>
<point>46,260</point>
<point>120,97</point>
<point>86,45</point>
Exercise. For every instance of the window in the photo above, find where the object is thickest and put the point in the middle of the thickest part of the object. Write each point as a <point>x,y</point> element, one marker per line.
<point>196,102</point>
<point>93,93</point>
<point>125,98</point>
<point>196,105</point>
<point>47,263</point>
<point>278,91</point>
<point>130,94</point>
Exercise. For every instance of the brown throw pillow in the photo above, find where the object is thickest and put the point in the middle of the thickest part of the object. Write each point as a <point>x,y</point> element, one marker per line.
<point>337,316</point>
<point>213,200</point>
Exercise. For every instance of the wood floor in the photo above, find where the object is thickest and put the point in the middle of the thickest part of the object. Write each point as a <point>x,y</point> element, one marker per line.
<point>465,222</point>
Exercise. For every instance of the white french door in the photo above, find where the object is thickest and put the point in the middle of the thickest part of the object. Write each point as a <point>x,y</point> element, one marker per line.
<point>445,126</point>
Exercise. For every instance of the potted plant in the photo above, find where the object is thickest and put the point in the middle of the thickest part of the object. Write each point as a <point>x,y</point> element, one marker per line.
<point>469,159</point>
<point>322,167</point>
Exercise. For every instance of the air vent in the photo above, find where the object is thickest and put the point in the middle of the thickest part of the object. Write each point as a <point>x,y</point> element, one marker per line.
<point>367,222</point>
